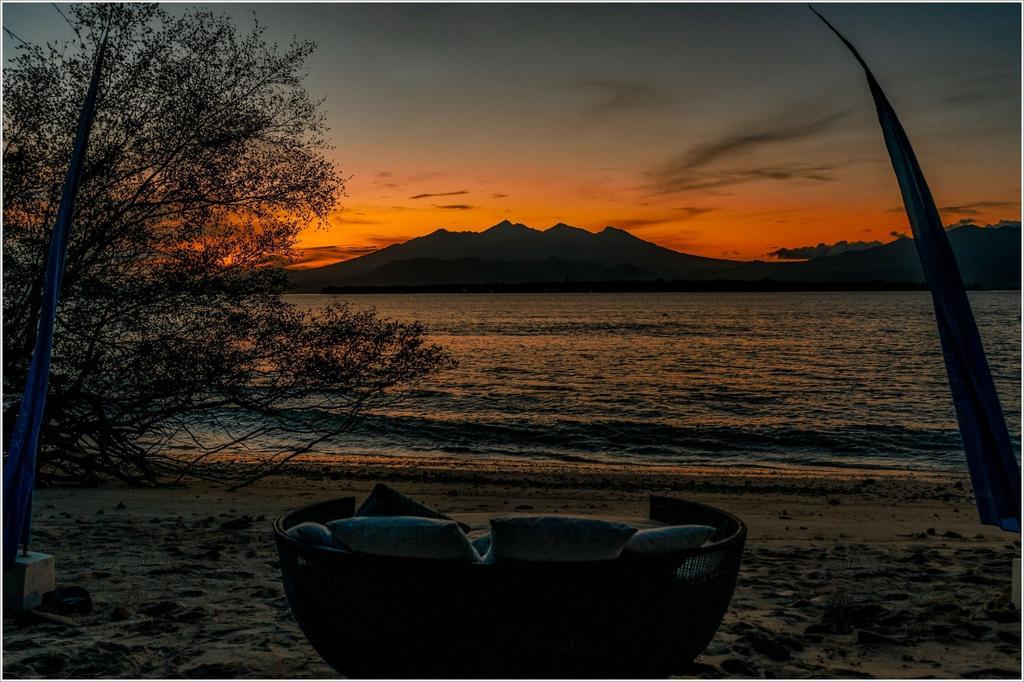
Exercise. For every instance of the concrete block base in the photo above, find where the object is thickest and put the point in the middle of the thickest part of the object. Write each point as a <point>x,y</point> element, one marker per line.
<point>27,580</point>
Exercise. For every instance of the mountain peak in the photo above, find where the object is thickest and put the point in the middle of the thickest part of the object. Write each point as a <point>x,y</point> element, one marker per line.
<point>563,227</point>
<point>619,233</point>
<point>507,226</point>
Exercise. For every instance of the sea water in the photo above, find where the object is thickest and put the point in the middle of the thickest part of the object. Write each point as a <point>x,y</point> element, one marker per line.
<point>737,379</point>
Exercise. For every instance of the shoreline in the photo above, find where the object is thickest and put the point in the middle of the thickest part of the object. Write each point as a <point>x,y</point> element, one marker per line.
<point>638,287</point>
<point>860,575</point>
<point>413,465</point>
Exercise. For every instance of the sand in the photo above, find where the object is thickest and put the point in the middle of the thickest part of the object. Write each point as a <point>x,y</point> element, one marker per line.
<point>849,574</point>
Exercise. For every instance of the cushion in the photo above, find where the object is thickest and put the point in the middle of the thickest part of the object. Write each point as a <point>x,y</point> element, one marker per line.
<point>412,537</point>
<point>556,538</point>
<point>313,534</point>
<point>482,544</point>
<point>668,539</point>
<point>386,501</point>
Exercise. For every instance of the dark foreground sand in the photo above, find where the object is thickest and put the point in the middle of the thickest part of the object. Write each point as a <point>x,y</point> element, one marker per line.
<point>864,575</point>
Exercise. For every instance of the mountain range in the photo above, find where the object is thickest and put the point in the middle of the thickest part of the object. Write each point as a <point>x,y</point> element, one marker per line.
<point>513,253</point>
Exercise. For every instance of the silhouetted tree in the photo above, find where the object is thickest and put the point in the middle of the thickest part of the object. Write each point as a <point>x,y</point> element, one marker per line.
<point>207,158</point>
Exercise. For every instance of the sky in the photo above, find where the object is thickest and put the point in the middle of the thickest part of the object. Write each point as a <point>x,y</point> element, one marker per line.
<point>728,130</point>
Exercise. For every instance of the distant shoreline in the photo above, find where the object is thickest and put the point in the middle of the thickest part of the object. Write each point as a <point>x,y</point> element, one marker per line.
<point>641,286</point>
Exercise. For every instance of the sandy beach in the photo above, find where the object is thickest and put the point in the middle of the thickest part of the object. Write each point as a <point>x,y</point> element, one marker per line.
<point>849,574</point>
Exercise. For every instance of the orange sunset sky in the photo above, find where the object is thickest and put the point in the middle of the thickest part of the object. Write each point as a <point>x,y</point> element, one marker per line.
<point>720,130</point>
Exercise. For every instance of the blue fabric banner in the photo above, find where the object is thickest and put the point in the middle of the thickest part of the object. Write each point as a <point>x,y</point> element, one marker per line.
<point>20,467</point>
<point>995,473</point>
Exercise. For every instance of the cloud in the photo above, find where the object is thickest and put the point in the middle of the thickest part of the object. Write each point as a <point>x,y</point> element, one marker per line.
<point>895,234</point>
<point>614,95</point>
<point>700,167</point>
<point>968,221</point>
<point>455,207</point>
<point>986,87</point>
<point>385,179</point>
<point>822,249</point>
<point>337,252</point>
<point>316,256</point>
<point>670,180</point>
<point>693,211</point>
<point>498,195</point>
<point>741,141</point>
<point>351,219</point>
<point>640,223</point>
<point>971,208</point>
<point>815,173</point>
<point>427,195</point>
<point>637,223</point>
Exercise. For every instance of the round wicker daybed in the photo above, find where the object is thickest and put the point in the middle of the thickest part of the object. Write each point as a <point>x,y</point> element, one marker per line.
<point>371,616</point>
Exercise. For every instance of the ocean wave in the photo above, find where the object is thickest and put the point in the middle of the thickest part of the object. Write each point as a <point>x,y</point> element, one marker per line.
<point>611,440</point>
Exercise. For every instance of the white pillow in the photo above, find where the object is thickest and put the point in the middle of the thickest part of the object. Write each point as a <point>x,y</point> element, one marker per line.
<point>412,537</point>
<point>668,539</point>
<point>310,533</point>
<point>556,538</point>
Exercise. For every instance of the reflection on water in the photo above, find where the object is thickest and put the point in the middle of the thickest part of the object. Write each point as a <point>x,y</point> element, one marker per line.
<point>737,378</point>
